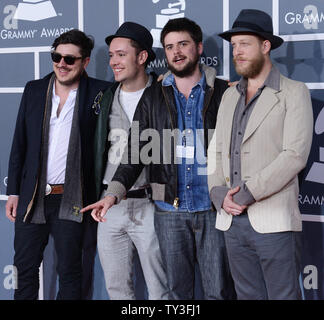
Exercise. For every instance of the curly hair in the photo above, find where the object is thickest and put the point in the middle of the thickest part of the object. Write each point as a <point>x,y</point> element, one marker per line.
<point>78,38</point>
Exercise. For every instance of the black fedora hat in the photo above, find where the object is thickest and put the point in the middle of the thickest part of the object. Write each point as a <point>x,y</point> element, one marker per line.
<point>136,32</point>
<point>254,21</point>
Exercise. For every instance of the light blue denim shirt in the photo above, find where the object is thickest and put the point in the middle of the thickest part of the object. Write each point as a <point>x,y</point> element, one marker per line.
<point>192,172</point>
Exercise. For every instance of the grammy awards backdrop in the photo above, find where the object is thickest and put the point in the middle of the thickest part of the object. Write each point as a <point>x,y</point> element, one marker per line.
<point>27,30</point>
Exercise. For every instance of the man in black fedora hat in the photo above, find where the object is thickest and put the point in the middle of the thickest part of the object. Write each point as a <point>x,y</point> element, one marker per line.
<point>262,141</point>
<point>129,227</point>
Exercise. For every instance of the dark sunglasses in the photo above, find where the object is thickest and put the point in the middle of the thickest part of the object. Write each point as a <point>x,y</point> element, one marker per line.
<point>56,57</point>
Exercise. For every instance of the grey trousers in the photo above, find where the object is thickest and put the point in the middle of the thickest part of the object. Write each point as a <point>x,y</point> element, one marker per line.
<point>263,266</point>
<point>130,227</point>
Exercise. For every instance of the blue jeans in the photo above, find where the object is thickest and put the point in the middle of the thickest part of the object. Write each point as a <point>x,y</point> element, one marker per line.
<point>30,242</point>
<point>187,238</point>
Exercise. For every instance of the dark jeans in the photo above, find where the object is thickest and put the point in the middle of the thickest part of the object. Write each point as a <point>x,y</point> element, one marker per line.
<point>264,265</point>
<point>186,238</point>
<point>30,242</point>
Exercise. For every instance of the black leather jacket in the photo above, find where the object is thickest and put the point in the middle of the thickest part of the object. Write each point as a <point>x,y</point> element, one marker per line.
<point>157,110</point>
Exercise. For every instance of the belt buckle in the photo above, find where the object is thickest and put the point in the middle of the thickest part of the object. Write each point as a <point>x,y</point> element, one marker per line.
<point>48,189</point>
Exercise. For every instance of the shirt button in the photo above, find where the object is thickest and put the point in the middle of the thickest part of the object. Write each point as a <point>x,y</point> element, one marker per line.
<point>188,168</point>
<point>191,96</point>
<point>235,172</point>
<point>189,112</point>
<point>236,152</point>
<point>189,131</point>
<point>239,133</point>
<point>188,187</point>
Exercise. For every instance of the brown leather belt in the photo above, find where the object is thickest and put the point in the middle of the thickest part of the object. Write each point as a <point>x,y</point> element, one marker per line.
<point>54,189</point>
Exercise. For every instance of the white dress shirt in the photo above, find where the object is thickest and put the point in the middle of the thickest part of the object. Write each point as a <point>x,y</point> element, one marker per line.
<point>59,136</point>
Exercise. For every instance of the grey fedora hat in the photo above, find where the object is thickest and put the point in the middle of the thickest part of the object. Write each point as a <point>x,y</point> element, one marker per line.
<point>136,32</point>
<point>254,21</point>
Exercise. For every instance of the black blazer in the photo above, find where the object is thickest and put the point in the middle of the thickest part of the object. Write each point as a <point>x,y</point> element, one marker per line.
<point>24,161</point>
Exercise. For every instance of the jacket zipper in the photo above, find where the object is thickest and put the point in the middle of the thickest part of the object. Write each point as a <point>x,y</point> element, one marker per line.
<point>176,199</point>
<point>210,91</point>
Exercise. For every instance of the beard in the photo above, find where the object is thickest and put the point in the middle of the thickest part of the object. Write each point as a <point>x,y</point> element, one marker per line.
<point>252,69</point>
<point>187,70</point>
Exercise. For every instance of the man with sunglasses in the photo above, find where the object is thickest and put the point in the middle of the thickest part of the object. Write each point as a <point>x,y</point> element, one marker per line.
<point>50,167</point>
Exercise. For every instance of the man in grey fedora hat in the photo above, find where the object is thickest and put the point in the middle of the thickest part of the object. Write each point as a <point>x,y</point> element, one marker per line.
<point>262,141</point>
<point>129,227</point>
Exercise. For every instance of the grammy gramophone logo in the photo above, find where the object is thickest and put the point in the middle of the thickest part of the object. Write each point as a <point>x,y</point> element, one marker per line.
<point>174,10</point>
<point>35,10</point>
<point>316,173</point>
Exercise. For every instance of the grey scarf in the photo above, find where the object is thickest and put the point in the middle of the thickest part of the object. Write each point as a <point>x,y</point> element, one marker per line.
<point>72,197</point>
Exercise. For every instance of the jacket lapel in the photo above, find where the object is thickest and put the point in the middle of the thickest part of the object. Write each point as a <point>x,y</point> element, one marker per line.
<point>82,90</point>
<point>265,103</point>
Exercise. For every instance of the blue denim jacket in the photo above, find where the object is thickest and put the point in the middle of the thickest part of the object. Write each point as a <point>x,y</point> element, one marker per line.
<point>192,172</point>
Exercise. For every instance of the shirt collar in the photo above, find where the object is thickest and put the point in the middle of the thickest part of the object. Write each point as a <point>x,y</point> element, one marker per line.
<point>272,81</point>
<point>170,81</point>
<point>72,91</point>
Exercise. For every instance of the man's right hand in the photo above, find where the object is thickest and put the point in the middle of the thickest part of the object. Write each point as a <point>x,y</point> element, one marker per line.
<point>230,206</point>
<point>99,208</point>
<point>11,207</point>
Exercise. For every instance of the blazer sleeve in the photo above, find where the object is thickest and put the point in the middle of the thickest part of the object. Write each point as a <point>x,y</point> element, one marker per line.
<point>18,148</point>
<point>296,144</point>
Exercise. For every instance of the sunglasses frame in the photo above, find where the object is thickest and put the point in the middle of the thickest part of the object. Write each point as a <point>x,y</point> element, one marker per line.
<point>68,59</point>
